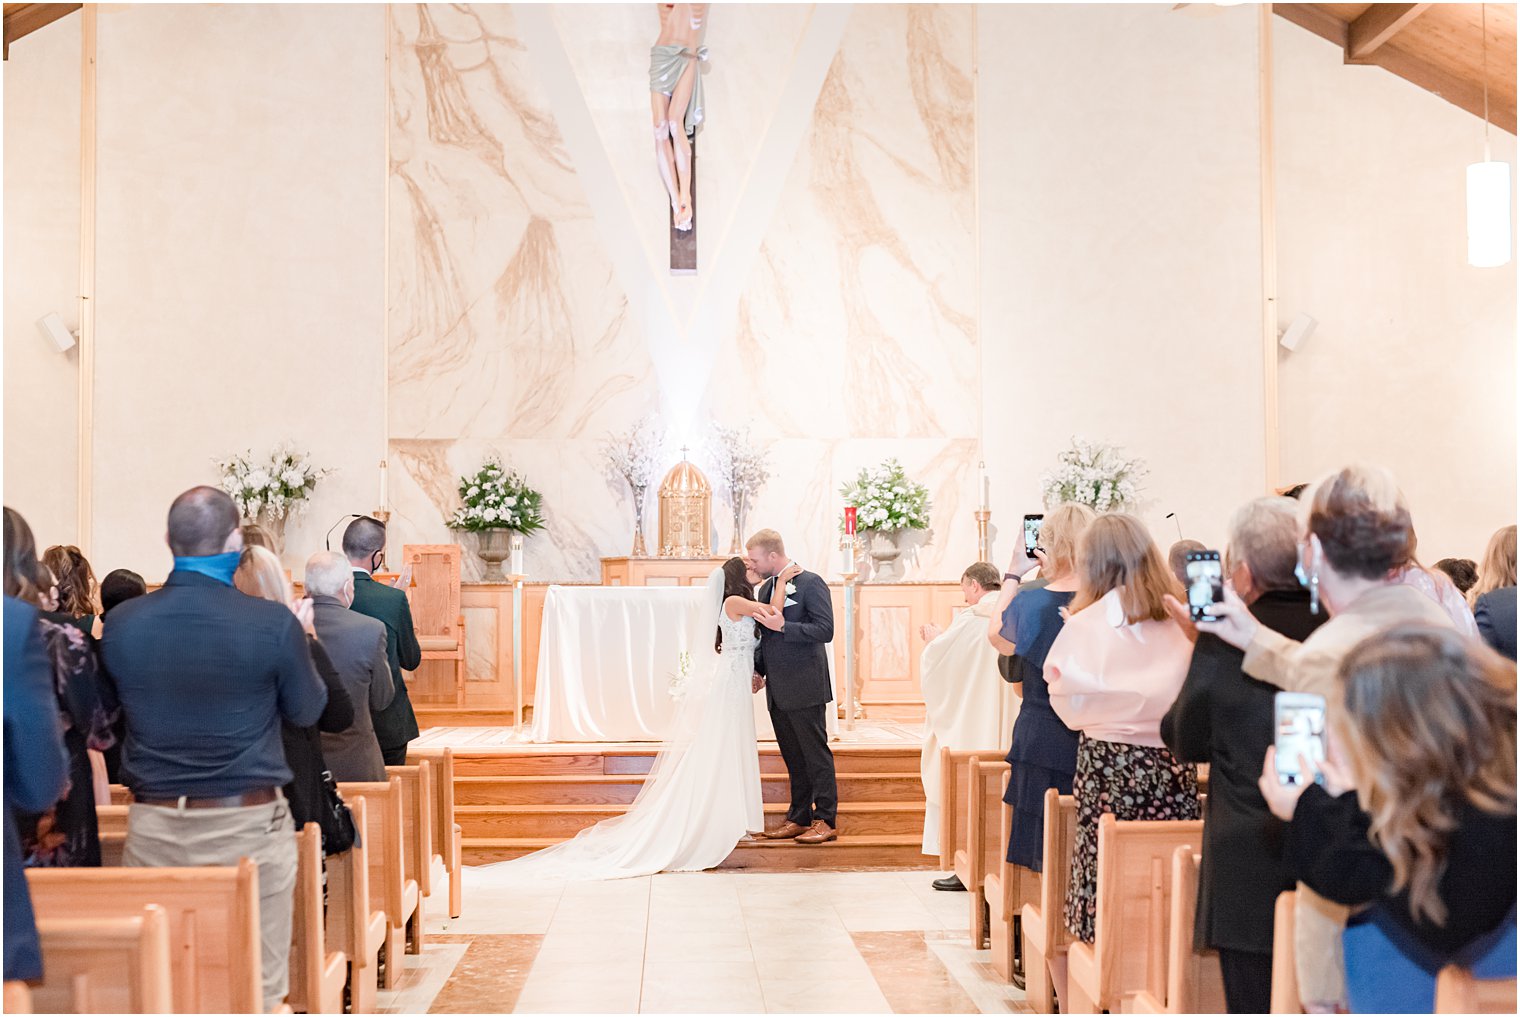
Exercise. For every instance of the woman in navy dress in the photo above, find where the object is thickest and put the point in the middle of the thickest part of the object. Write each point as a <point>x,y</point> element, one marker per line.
<point>1043,753</point>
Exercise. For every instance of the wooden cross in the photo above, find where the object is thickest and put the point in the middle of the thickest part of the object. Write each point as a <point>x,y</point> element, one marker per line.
<point>683,243</point>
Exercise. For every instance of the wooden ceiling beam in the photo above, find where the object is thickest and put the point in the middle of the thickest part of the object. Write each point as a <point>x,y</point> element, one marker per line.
<point>1377,25</point>
<point>24,19</point>
<point>1456,90</point>
<point>1313,18</point>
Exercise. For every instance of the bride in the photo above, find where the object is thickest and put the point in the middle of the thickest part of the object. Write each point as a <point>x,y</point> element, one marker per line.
<point>702,795</point>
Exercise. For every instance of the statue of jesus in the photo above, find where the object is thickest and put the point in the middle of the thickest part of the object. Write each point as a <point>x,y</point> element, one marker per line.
<point>675,99</point>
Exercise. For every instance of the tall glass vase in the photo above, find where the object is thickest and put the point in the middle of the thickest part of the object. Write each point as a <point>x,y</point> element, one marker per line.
<point>639,550</point>
<point>741,506</point>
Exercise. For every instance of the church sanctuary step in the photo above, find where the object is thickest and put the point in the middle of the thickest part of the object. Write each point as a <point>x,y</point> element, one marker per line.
<point>564,821</point>
<point>618,789</point>
<point>848,852</point>
<point>624,760</point>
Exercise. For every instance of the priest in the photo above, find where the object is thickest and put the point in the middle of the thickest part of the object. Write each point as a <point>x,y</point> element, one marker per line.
<point>967,705</point>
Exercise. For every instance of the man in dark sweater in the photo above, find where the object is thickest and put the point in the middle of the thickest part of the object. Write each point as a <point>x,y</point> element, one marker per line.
<point>205,674</point>
<point>364,547</point>
<point>1226,719</point>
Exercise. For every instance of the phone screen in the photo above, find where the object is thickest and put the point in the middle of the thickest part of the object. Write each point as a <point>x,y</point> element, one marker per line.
<point>1300,732</point>
<point>1032,525</point>
<point>1205,583</point>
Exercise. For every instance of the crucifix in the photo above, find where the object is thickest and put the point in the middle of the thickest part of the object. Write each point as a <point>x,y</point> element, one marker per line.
<point>678,108</point>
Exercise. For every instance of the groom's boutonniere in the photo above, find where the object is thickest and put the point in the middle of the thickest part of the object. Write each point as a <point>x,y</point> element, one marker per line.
<point>791,588</point>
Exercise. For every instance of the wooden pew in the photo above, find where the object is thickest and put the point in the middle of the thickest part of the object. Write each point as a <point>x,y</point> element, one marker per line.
<point>1284,973</point>
<point>448,836</point>
<point>954,769</point>
<point>109,964</point>
<point>213,917</point>
<point>317,976</point>
<point>112,823</point>
<point>1457,991</point>
<point>120,795</point>
<point>355,925</point>
<point>417,821</point>
<point>18,997</point>
<point>390,889</point>
<point>977,853</point>
<point>1128,952</point>
<point>1007,889</point>
<point>1194,983</point>
<point>1044,923</point>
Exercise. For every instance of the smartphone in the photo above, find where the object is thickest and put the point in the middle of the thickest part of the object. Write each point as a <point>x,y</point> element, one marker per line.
<point>1205,583</point>
<point>1032,523</point>
<point>1300,720</point>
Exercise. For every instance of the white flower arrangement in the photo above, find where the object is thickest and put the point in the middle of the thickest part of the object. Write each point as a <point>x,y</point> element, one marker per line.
<point>1093,474</point>
<point>497,498</point>
<point>278,486</point>
<point>741,468</point>
<point>886,500</point>
<point>633,457</point>
<point>681,677</point>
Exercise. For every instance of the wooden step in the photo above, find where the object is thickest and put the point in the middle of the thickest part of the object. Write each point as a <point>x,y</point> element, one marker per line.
<point>857,852</point>
<point>509,762</point>
<point>564,821</point>
<point>616,789</point>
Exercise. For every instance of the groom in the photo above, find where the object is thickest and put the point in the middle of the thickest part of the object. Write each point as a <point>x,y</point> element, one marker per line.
<point>792,664</point>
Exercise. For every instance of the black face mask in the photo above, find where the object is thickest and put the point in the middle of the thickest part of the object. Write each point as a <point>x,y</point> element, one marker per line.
<point>376,561</point>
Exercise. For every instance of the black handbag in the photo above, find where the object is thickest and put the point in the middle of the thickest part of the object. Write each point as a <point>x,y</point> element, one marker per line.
<point>337,822</point>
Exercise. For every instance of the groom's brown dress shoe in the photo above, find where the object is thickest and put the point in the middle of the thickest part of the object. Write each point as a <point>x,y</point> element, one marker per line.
<point>786,831</point>
<point>819,833</point>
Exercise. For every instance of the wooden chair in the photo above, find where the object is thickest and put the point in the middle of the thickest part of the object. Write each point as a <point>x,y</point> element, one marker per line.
<point>112,823</point>
<point>213,912</point>
<point>1457,991</point>
<point>354,925</point>
<point>1006,890</point>
<point>1284,973</point>
<point>1194,983</point>
<point>417,821</point>
<point>18,997</point>
<point>448,836</point>
<point>1128,951</point>
<point>389,888</point>
<point>1044,923</point>
<point>435,606</point>
<point>977,853</point>
<point>317,976</point>
<point>109,964</point>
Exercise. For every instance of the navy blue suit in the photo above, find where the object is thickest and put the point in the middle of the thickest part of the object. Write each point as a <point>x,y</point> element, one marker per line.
<point>36,770</point>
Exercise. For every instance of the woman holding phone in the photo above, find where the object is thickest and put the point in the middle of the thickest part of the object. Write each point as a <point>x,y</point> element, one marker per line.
<point>1417,815</point>
<point>1355,536</point>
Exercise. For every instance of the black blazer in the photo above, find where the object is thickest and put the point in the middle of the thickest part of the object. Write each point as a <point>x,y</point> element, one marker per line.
<point>303,745</point>
<point>397,723</point>
<point>1495,614</point>
<point>1224,718</point>
<point>795,661</point>
<point>36,772</point>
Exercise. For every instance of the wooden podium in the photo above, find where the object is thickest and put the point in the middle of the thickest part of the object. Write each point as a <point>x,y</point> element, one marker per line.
<point>658,571</point>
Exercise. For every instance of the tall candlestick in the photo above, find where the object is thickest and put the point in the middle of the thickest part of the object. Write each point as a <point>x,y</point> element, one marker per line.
<point>384,486</point>
<point>986,487</point>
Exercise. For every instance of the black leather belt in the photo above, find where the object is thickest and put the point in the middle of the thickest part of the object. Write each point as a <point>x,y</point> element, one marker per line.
<point>259,796</point>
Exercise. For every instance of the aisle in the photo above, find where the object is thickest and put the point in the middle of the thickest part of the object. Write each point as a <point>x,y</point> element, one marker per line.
<point>869,942</point>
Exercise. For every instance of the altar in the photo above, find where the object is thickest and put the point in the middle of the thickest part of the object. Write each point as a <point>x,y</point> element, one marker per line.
<point>607,659</point>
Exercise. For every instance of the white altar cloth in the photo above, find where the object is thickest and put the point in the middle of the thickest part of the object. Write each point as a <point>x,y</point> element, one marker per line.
<point>606,658</point>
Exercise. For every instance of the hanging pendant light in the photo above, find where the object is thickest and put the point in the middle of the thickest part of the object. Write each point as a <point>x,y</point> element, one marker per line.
<point>1488,193</point>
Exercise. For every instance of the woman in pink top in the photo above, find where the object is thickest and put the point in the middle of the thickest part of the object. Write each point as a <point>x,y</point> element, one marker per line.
<point>1114,671</point>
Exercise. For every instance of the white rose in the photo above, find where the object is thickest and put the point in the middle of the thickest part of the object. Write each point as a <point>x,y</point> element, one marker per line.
<point>259,479</point>
<point>509,502</point>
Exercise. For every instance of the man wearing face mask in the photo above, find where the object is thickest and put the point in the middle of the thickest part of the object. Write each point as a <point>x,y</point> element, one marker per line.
<point>205,674</point>
<point>364,547</point>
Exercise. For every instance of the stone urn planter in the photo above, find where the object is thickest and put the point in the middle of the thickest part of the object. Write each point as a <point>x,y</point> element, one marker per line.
<point>886,556</point>
<point>494,547</point>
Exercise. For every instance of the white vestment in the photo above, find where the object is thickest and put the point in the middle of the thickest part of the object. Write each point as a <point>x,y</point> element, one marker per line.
<point>967,705</point>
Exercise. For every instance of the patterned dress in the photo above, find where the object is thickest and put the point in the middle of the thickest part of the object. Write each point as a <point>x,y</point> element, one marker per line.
<point>66,835</point>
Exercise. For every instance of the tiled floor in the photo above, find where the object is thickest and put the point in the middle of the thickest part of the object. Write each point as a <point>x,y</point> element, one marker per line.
<point>862,942</point>
<point>866,732</point>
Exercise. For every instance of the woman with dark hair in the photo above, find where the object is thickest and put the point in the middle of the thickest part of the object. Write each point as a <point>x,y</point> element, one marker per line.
<point>66,834</point>
<point>75,580</point>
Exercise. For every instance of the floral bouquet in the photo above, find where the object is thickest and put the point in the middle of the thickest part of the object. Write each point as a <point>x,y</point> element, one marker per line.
<point>681,677</point>
<point>633,457</point>
<point>497,498</point>
<point>741,468</point>
<point>276,487</point>
<point>886,500</point>
<point>1093,474</point>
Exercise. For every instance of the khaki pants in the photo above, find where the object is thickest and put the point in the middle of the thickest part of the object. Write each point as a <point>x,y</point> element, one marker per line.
<point>158,836</point>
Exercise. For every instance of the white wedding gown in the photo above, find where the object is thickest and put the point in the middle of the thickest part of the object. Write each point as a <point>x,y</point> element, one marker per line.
<point>702,795</point>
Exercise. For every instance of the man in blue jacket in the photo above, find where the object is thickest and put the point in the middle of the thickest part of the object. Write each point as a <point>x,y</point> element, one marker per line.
<point>36,770</point>
<point>205,675</point>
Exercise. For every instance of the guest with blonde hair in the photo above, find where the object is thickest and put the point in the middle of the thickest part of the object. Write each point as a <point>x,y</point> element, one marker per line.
<point>1493,597</point>
<point>1355,540</point>
<point>1042,752</point>
<point>255,535</point>
<point>1114,670</point>
<point>259,574</point>
<point>1417,818</point>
